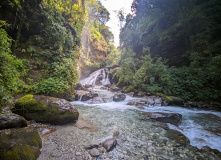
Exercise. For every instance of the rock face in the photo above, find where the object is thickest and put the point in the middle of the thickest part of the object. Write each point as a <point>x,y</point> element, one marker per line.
<point>172,118</point>
<point>46,109</point>
<point>19,144</point>
<point>119,97</point>
<point>10,120</point>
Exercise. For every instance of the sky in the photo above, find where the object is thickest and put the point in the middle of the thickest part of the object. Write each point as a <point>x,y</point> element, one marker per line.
<point>113,6</point>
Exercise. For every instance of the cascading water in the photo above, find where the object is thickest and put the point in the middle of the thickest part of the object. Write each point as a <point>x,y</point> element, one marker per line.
<point>99,77</point>
<point>138,139</point>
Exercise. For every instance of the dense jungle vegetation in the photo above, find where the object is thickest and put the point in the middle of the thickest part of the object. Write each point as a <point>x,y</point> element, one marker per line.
<point>172,47</point>
<point>40,45</point>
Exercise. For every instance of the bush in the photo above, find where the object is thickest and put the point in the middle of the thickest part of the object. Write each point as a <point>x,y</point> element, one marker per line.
<point>9,68</point>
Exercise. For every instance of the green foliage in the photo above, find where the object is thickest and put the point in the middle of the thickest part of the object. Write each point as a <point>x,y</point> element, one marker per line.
<point>9,68</point>
<point>152,76</point>
<point>198,81</point>
<point>186,34</point>
<point>50,86</point>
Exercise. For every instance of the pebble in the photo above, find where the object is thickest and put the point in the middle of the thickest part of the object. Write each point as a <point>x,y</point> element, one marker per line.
<point>78,154</point>
<point>94,152</point>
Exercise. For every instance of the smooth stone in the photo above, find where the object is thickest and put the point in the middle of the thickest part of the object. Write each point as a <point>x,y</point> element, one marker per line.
<point>94,152</point>
<point>92,144</point>
<point>78,154</point>
<point>119,97</point>
<point>109,144</point>
<point>85,124</point>
<point>172,118</point>
<point>11,120</point>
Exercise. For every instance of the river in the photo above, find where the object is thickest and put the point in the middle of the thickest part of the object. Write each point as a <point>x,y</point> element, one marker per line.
<point>138,139</point>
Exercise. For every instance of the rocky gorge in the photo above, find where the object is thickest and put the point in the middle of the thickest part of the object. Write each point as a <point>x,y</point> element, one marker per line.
<point>140,127</point>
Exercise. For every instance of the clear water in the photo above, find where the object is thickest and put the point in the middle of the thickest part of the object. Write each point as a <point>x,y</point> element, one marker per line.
<point>196,124</point>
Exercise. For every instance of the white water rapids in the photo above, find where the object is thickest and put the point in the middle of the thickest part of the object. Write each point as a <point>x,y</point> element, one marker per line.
<point>138,139</point>
<point>200,126</point>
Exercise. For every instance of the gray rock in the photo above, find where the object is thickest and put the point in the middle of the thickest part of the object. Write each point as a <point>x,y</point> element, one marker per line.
<point>92,144</point>
<point>89,96</point>
<point>130,94</point>
<point>109,144</point>
<point>172,118</point>
<point>150,101</point>
<point>119,97</point>
<point>114,89</point>
<point>158,102</point>
<point>94,152</point>
<point>79,86</point>
<point>11,120</point>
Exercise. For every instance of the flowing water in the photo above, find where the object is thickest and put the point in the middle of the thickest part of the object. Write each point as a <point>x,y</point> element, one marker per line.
<point>138,139</point>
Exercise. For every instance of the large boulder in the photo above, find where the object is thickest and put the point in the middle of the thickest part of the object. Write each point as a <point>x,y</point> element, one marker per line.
<point>45,109</point>
<point>10,120</point>
<point>175,100</point>
<point>114,89</point>
<point>79,86</point>
<point>88,96</point>
<point>119,97</point>
<point>172,118</point>
<point>24,143</point>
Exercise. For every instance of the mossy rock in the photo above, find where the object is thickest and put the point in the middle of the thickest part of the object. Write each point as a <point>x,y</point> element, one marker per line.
<point>17,144</point>
<point>45,109</point>
<point>172,100</point>
<point>10,120</point>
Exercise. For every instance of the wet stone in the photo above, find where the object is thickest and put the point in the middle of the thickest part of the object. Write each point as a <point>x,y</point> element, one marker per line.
<point>94,152</point>
<point>92,144</point>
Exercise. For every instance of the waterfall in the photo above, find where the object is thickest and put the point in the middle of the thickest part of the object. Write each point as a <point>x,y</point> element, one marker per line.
<point>98,77</point>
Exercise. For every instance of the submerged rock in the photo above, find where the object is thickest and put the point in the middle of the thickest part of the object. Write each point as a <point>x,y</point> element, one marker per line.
<point>119,97</point>
<point>11,120</point>
<point>172,118</point>
<point>85,124</point>
<point>177,137</point>
<point>45,109</point>
<point>19,144</point>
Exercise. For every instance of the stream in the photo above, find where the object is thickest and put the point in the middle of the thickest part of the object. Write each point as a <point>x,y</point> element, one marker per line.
<point>138,139</point>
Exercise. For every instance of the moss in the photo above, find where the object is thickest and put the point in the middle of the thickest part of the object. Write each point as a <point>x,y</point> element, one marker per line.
<point>44,109</point>
<point>28,152</point>
<point>163,95</point>
<point>17,144</point>
<point>131,89</point>
<point>28,104</point>
<point>11,154</point>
